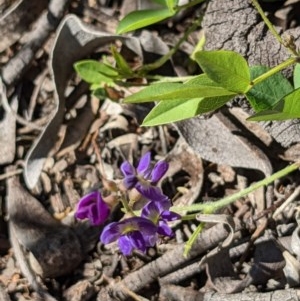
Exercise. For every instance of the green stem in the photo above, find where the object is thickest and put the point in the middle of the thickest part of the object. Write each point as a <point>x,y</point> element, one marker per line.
<point>211,207</point>
<point>125,204</point>
<point>189,217</point>
<point>190,242</point>
<point>283,65</point>
<point>167,56</point>
<point>271,27</point>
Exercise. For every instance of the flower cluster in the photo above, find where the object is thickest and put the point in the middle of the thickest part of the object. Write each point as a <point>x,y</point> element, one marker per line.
<point>134,232</point>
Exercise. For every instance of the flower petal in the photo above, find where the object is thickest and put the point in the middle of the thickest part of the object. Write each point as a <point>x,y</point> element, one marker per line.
<point>130,181</point>
<point>144,167</point>
<point>151,212</point>
<point>127,169</point>
<point>102,211</point>
<point>84,203</point>
<point>110,233</point>
<point>82,212</point>
<point>150,240</point>
<point>145,226</point>
<point>93,207</point>
<point>170,216</point>
<point>158,196</point>
<point>125,245</point>
<point>150,192</point>
<point>137,240</point>
<point>164,229</point>
<point>158,171</point>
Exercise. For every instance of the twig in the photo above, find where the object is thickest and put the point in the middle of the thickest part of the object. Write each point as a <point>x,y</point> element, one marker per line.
<point>8,109</point>
<point>289,200</point>
<point>10,174</point>
<point>35,94</point>
<point>13,71</point>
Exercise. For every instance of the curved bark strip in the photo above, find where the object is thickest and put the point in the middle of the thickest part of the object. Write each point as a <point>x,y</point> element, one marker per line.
<point>236,25</point>
<point>76,41</point>
<point>73,42</point>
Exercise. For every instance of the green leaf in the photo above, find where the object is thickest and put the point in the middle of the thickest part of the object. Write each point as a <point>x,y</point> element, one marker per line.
<point>95,72</point>
<point>121,62</point>
<point>142,18</point>
<point>266,94</point>
<point>201,80</point>
<point>161,2</point>
<point>180,109</point>
<point>100,93</point>
<point>174,91</point>
<point>167,3</point>
<point>297,76</point>
<point>171,4</point>
<point>227,68</point>
<point>286,108</point>
<point>166,112</point>
<point>212,103</point>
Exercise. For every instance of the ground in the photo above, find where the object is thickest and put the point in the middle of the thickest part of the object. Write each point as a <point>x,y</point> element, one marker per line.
<point>58,142</point>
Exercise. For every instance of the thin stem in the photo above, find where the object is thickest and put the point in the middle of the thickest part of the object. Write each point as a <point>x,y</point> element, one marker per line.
<point>281,66</point>
<point>189,217</point>
<point>125,204</point>
<point>190,242</point>
<point>271,27</point>
<point>168,55</point>
<point>211,207</point>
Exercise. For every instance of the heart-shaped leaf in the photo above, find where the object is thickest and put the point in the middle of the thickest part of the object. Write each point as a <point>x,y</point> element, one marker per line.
<point>227,68</point>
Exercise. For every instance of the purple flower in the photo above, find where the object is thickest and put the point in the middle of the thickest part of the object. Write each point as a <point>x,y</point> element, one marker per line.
<point>158,212</point>
<point>93,207</point>
<point>144,177</point>
<point>132,233</point>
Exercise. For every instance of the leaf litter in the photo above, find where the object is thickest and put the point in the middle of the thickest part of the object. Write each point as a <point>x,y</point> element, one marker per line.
<point>50,254</point>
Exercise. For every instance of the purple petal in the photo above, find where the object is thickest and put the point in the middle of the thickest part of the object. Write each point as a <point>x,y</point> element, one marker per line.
<point>164,229</point>
<point>93,207</point>
<point>150,192</point>
<point>158,171</point>
<point>144,167</point>
<point>84,203</point>
<point>110,233</point>
<point>102,213</point>
<point>82,212</point>
<point>130,241</point>
<point>130,181</point>
<point>153,193</point>
<point>170,216</point>
<point>150,240</point>
<point>125,245</point>
<point>145,226</point>
<point>127,169</point>
<point>151,211</point>
<point>137,240</point>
